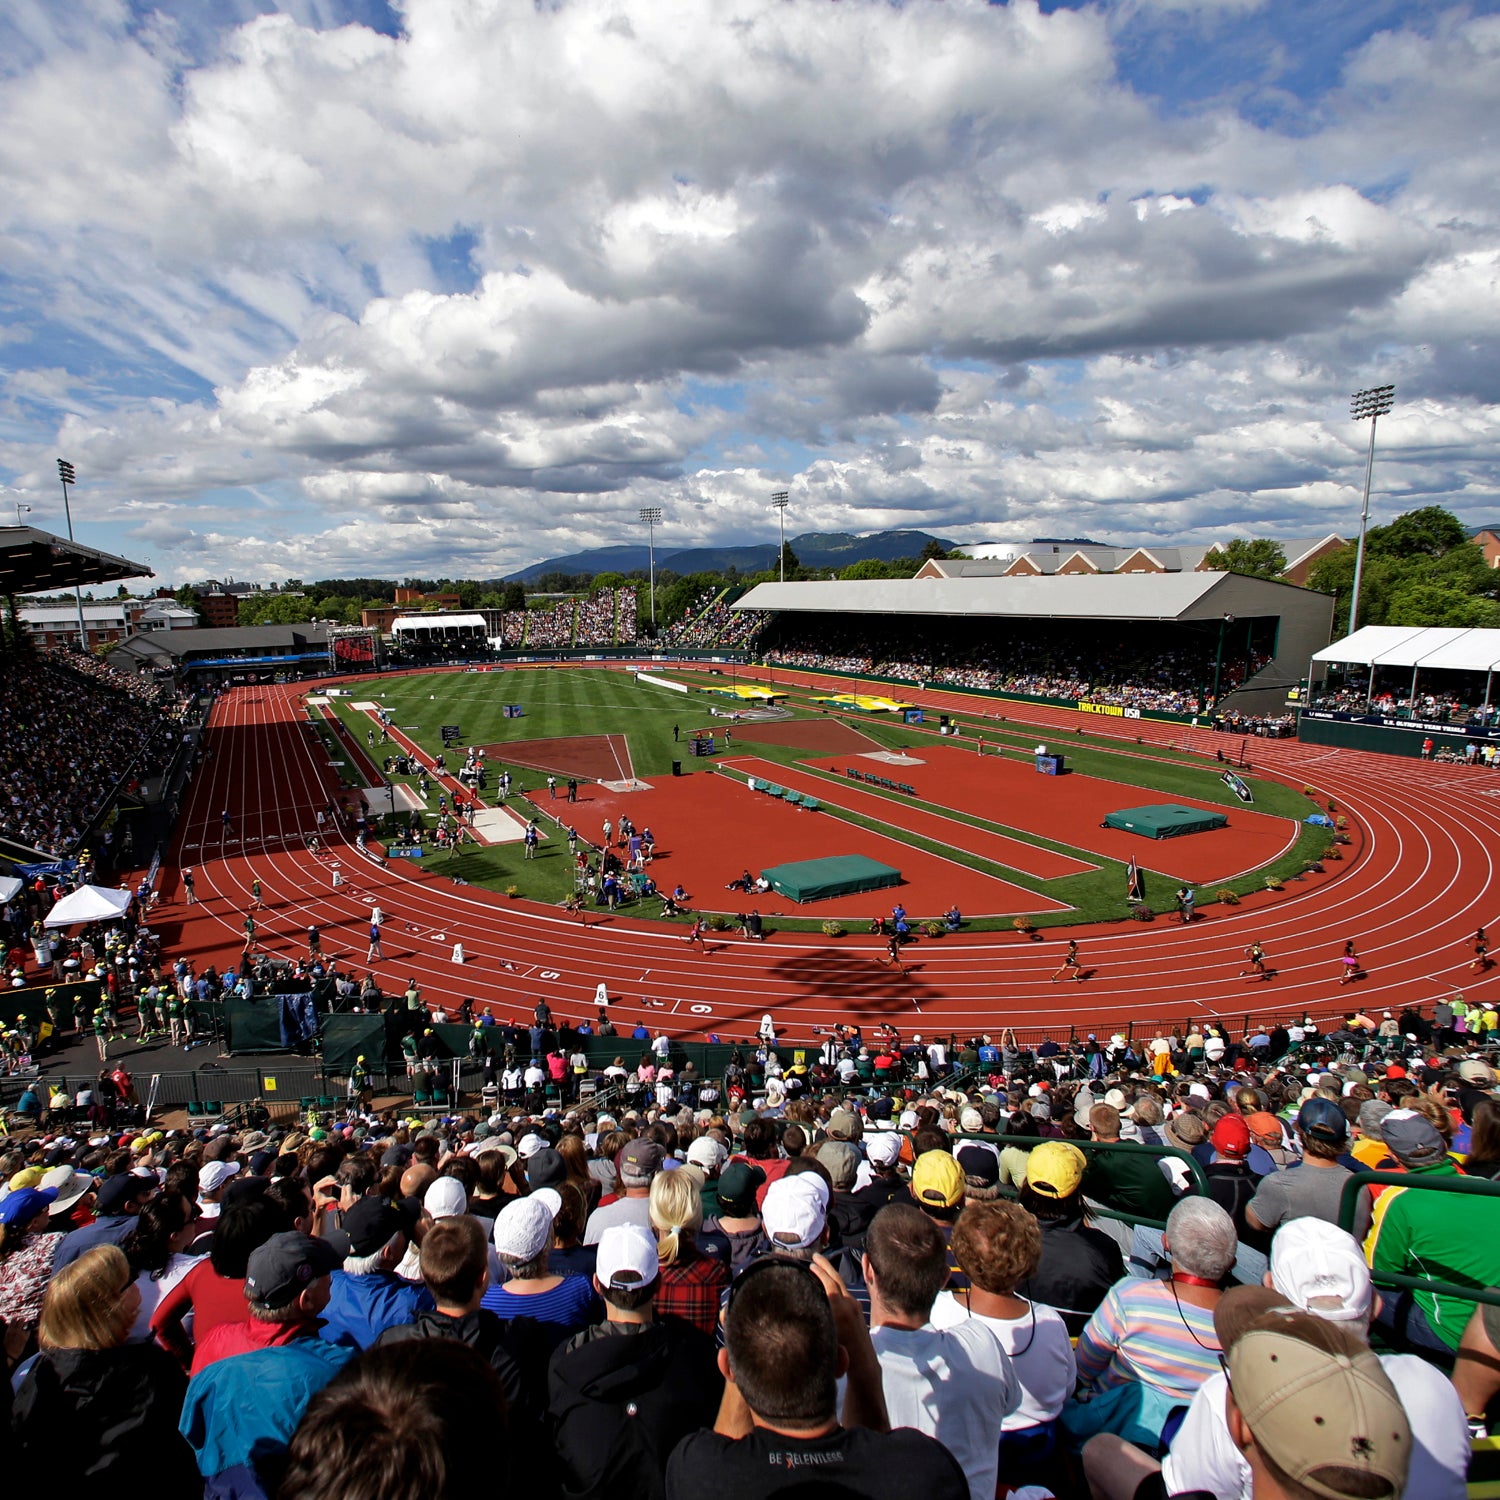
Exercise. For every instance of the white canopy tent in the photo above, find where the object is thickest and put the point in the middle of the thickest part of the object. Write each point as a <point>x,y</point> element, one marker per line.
<point>1435,649</point>
<point>89,903</point>
<point>9,885</point>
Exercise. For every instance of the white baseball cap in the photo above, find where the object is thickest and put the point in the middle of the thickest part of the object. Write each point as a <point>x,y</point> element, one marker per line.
<point>627,1257</point>
<point>215,1174</point>
<point>446,1199</point>
<point>883,1149</point>
<point>707,1153</point>
<point>1320,1268</point>
<point>795,1211</point>
<point>530,1145</point>
<point>523,1228</point>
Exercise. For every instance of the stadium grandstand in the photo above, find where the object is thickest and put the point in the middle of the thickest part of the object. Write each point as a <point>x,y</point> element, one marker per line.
<point>76,737</point>
<point>1182,643</point>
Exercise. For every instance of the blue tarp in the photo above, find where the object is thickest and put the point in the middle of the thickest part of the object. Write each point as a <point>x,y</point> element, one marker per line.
<point>298,1017</point>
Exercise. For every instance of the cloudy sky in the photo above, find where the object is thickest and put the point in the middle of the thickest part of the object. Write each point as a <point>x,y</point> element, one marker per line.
<point>448,286</point>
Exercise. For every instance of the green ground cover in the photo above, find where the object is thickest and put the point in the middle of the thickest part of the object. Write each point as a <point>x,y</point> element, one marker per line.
<point>576,701</point>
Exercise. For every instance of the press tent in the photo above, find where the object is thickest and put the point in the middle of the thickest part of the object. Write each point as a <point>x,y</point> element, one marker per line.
<point>1165,820</point>
<point>836,875</point>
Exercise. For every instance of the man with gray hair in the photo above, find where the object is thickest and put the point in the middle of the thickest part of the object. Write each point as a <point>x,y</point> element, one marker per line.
<point>1158,1336</point>
<point>367,1296</point>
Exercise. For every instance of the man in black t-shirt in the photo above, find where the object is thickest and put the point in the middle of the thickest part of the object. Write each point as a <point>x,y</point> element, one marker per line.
<point>791,1331</point>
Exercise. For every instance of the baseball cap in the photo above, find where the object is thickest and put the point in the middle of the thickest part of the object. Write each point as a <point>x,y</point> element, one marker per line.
<point>1321,1407</point>
<point>116,1192</point>
<point>1321,1270</point>
<point>1322,1120</point>
<point>937,1181</point>
<point>738,1183</point>
<point>371,1223</point>
<point>843,1125</point>
<point>286,1265</point>
<point>1186,1130</point>
<point>883,1149</point>
<point>795,1211</point>
<point>214,1175</point>
<point>23,1205</point>
<point>530,1144</point>
<point>446,1198</point>
<point>523,1228</point>
<point>1414,1140</point>
<point>627,1257</point>
<point>1264,1126</point>
<point>640,1161</point>
<point>707,1153</point>
<point>980,1166</point>
<point>1054,1169</point>
<point>546,1168</point>
<point>842,1161</point>
<point>1475,1071</point>
<point>1231,1137</point>
<point>1371,1113</point>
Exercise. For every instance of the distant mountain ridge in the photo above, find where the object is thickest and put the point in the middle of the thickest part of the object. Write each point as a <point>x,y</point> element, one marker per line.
<point>813,549</point>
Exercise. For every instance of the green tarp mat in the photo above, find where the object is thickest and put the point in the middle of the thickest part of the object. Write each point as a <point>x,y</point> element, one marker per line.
<point>1165,820</point>
<point>836,875</point>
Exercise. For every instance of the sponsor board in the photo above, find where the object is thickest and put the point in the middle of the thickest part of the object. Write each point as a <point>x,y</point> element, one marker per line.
<point>1108,710</point>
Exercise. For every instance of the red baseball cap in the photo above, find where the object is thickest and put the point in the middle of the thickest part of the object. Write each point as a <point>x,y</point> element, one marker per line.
<point>1231,1137</point>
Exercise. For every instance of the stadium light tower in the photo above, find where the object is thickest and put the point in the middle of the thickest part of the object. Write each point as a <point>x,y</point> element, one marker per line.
<point>778,501</point>
<point>1374,404</point>
<point>66,473</point>
<point>651,515</point>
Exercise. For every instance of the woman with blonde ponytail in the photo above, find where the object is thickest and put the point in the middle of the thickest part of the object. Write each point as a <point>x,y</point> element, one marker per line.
<point>692,1278</point>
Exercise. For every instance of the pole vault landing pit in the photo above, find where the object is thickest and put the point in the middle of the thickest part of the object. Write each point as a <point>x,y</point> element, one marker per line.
<point>1165,820</point>
<point>835,875</point>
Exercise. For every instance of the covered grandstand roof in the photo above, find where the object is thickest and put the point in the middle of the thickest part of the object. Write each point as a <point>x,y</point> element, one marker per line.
<point>33,561</point>
<point>1435,648</point>
<point>437,620</point>
<point>230,641</point>
<point>1118,596</point>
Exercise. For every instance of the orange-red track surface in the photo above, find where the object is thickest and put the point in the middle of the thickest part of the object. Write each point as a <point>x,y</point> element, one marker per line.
<point>1415,885</point>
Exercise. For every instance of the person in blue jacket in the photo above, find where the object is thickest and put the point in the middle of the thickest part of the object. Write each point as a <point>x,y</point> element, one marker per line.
<point>367,1296</point>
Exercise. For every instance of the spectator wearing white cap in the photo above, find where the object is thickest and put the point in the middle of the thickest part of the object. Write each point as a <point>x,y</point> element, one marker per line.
<point>623,1393</point>
<point>1319,1269</point>
<point>523,1240</point>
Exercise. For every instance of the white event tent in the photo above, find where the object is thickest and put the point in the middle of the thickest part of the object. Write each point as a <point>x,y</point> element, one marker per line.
<point>89,903</point>
<point>1433,649</point>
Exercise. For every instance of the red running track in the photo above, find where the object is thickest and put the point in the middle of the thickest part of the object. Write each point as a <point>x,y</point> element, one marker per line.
<point>1417,886</point>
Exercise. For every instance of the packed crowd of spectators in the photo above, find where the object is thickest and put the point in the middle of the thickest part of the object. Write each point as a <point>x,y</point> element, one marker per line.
<point>742,626</point>
<point>901,1286</point>
<point>1159,671</point>
<point>1439,708</point>
<point>710,621</point>
<point>513,628</point>
<point>553,626</point>
<point>66,740</point>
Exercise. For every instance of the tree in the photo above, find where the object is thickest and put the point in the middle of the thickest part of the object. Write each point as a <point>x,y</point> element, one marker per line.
<point>787,560</point>
<point>1434,604</point>
<point>187,596</point>
<point>868,567</point>
<point>1428,532</point>
<point>1260,558</point>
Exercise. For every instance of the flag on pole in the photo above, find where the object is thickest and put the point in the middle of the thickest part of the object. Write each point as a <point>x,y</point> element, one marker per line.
<point>1135,882</point>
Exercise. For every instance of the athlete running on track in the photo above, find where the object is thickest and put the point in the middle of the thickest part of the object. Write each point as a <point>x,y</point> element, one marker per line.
<point>1071,963</point>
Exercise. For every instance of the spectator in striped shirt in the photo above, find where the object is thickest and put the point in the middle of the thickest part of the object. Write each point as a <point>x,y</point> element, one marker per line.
<point>1159,1335</point>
